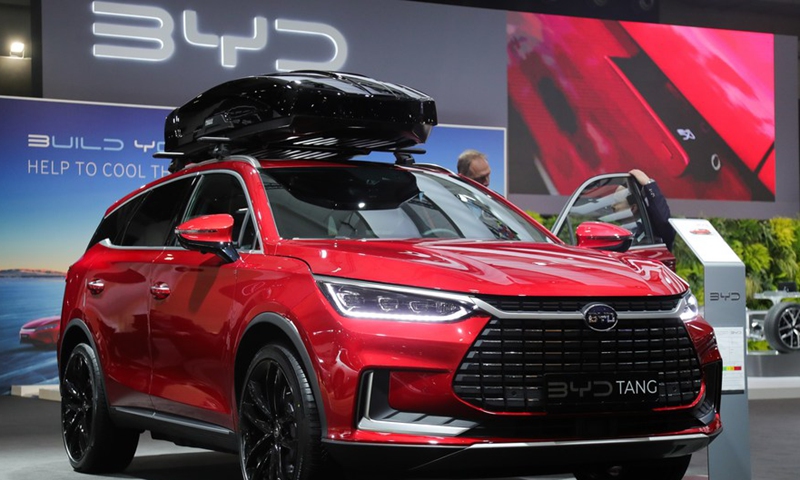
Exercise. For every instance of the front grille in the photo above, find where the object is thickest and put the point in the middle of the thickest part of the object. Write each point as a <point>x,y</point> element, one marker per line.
<point>512,361</point>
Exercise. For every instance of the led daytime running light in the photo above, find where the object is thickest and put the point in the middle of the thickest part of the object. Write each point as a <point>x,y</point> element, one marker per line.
<point>370,302</point>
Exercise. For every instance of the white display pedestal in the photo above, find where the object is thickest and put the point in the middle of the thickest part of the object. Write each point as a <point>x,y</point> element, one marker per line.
<point>726,311</point>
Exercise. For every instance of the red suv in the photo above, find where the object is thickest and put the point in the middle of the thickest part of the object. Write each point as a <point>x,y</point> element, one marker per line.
<point>307,310</point>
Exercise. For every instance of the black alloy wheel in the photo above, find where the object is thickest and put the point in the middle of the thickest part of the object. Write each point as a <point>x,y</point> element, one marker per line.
<point>279,428</point>
<point>782,327</point>
<point>673,468</point>
<point>93,443</point>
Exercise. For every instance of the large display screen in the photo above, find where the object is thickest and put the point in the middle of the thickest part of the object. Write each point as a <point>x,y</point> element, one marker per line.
<point>693,107</point>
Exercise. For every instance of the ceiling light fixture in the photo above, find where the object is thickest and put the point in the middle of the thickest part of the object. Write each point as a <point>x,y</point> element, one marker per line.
<point>17,49</point>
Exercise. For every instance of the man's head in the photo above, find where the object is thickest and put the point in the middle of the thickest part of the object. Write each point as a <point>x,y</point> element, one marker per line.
<point>473,164</point>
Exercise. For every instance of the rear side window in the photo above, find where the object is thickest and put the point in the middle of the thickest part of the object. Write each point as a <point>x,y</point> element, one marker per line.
<point>152,223</point>
<point>113,226</point>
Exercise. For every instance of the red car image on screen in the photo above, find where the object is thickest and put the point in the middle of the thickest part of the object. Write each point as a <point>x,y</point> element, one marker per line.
<point>694,107</point>
<point>284,298</point>
<point>41,333</point>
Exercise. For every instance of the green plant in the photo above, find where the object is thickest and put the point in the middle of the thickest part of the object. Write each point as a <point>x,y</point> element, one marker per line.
<point>758,345</point>
<point>547,220</point>
<point>768,249</point>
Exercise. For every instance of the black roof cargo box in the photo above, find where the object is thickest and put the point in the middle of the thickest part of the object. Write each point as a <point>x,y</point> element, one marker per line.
<point>302,114</point>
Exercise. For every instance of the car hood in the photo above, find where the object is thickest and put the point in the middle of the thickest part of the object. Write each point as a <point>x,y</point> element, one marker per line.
<point>489,268</point>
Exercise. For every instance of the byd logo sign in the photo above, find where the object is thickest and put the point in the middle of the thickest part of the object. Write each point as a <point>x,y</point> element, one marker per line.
<point>123,25</point>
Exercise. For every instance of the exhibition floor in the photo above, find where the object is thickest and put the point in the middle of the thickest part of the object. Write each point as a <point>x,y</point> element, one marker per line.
<point>31,448</point>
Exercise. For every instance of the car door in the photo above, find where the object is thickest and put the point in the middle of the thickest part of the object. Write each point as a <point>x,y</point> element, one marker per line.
<point>613,198</point>
<point>117,300</point>
<point>190,318</point>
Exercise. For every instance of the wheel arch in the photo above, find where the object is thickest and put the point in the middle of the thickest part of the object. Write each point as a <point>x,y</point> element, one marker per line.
<point>76,332</point>
<point>278,329</point>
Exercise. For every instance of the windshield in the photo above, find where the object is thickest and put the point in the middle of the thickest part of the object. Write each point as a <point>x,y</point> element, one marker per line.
<point>386,202</point>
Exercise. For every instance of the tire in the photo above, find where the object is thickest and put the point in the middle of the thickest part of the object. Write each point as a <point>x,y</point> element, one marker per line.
<point>279,427</point>
<point>93,443</point>
<point>665,469</point>
<point>782,327</point>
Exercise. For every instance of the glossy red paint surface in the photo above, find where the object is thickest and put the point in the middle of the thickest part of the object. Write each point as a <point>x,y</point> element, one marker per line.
<point>485,267</point>
<point>183,351</point>
<point>118,318</point>
<point>190,335</point>
<point>601,235</point>
<point>208,228</point>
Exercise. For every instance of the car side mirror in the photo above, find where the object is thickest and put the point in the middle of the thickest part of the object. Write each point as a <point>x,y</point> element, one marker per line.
<point>604,236</point>
<point>209,234</point>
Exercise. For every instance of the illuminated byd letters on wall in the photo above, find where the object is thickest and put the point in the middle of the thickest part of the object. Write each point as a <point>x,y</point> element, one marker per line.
<point>711,114</point>
<point>157,52</point>
<point>122,22</point>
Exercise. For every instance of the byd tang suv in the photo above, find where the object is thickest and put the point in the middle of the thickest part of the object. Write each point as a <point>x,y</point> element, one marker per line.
<point>322,315</point>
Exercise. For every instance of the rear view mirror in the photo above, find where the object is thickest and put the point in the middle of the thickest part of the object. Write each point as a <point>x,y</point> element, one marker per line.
<point>209,234</point>
<point>603,236</point>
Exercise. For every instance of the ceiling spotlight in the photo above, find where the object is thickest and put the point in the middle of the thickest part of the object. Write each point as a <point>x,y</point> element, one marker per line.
<point>17,49</point>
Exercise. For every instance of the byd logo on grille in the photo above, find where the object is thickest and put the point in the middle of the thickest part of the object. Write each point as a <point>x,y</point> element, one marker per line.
<point>600,317</point>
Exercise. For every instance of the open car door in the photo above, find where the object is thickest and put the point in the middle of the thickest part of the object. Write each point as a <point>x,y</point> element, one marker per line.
<point>613,198</point>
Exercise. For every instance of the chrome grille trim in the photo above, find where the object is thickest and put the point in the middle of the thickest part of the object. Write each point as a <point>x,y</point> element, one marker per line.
<point>484,305</point>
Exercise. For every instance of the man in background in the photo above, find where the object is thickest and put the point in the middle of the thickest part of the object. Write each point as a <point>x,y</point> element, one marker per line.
<point>473,164</point>
<point>655,203</point>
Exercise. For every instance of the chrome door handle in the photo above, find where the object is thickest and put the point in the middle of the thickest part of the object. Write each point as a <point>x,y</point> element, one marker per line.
<point>160,290</point>
<point>96,286</point>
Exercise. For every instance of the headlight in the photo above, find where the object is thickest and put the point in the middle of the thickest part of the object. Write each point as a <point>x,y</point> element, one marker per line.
<point>379,302</point>
<point>689,307</point>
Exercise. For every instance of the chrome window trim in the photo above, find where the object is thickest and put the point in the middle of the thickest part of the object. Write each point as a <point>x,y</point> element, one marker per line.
<point>107,244</point>
<point>572,443</point>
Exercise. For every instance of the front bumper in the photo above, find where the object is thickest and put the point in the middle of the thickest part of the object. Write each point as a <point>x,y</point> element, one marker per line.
<point>478,403</point>
<point>511,459</point>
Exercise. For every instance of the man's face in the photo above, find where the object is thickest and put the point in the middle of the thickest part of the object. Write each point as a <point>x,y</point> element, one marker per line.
<point>479,171</point>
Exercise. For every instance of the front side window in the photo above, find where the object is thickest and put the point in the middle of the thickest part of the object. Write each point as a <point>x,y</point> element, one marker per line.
<point>613,200</point>
<point>386,202</point>
<point>223,193</point>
